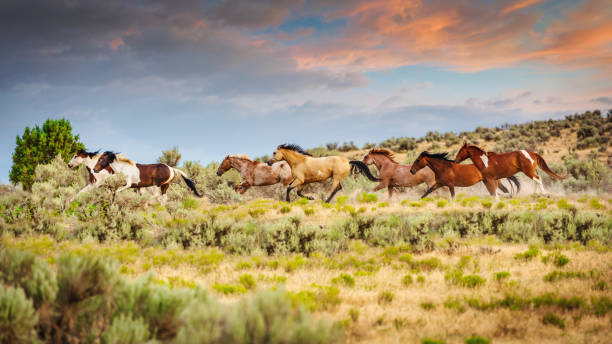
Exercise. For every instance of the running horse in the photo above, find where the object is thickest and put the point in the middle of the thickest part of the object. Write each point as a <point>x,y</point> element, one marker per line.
<point>142,175</point>
<point>393,174</point>
<point>450,174</point>
<point>306,169</point>
<point>494,166</point>
<point>89,159</point>
<point>255,173</point>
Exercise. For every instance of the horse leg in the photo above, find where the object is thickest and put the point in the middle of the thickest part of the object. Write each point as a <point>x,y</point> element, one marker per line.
<point>390,190</point>
<point>337,188</point>
<point>451,189</point>
<point>294,183</point>
<point>492,186</point>
<point>431,189</point>
<point>539,184</point>
<point>289,188</point>
<point>299,193</point>
<point>164,188</point>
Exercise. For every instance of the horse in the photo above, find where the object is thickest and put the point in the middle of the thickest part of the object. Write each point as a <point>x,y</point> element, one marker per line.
<point>89,159</point>
<point>255,173</point>
<point>393,174</point>
<point>494,165</point>
<point>141,175</point>
<point>306,169</point>
<point>450,174</point>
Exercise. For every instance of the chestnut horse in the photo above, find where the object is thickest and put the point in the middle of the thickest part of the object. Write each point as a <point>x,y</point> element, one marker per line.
<point>89,159</point>
<point>450,174</point>
<point>393,174</point>
<point>255,173</point>
<point>140,175</point>
<point>306,169</point>
<point>493,165</point>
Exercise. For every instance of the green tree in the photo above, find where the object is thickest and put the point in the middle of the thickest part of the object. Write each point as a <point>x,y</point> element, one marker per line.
<point>170,157</point>
<point>40,146</point>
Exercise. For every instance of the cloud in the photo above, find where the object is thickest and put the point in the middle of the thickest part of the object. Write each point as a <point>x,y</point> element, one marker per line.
<point>93,44</point>
<point>464,36</point>
<point>604,100</point>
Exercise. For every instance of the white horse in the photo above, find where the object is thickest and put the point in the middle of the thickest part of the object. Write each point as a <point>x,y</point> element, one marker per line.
<point>141,175</point>
<point>89,159</point>
<point>95,179</point>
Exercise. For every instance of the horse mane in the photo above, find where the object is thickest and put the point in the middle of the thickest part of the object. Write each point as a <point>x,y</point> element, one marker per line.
<point>241,156</point>
<point>478,149</point>
<point>384,151</point>
<point>293,147</point>
<point>112,156</point>
<point>440,156</point>
<point>89,154</point>
<point>123,158</point>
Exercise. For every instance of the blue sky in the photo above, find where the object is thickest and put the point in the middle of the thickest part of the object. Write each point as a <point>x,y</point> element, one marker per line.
<point>222,77</point>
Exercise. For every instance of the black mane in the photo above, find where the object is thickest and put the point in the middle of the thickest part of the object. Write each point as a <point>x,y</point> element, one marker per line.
<point>89,154</point>
<point>295,148</point>
<point>111,156</point>
<point>441,156</point>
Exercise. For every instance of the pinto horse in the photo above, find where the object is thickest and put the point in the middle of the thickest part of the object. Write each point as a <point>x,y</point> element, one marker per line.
<point>140,175</point>
<point>393,174</point>
<point>306,169</point>
<point>493,165</point>
<point>255,173</point>
<point>89,159</point>
<point>450,174</point>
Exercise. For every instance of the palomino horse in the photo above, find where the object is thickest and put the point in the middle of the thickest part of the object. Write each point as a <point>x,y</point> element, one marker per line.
<point>307,169</point>
<point>139,175</point>
<point>89,159</point>
<point>449,173</point>
<point>495,166</point>
<point>255,173</point>
<point>393,174</point>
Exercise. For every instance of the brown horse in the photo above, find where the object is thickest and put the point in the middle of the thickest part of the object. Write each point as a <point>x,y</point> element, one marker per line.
<point>450,174</point>
<point>307,169</point>
<point>140,175</point>
<point>393,174</point>
<point>493,165</point>
<point>255,173</point>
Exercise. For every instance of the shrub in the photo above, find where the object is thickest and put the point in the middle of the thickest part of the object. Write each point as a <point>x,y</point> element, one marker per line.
<point>385,297</point>
<point>477,340</point>
<point>407,280</point>
<point>285,209</point>
<point>345,279</point>
<point>432,341</point>
<point>502,275</point>
<point>456,277</point>
<point>367,198</point>
<point>23,270</point>
<point>531,253</point>
<point>557,258</point>
<point>552,319</point>
<point>247,281</point>
<point>18,319</point>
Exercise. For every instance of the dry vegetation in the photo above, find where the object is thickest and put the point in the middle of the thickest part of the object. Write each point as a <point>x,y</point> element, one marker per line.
<point>360,269</point>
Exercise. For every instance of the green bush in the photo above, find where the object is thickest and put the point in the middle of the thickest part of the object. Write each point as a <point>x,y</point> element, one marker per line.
<point>18,318</point>
<point>477,340</point>
<point>552,319</point>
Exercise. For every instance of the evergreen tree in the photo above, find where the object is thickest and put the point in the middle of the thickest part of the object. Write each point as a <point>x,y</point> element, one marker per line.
<point>40,146</point>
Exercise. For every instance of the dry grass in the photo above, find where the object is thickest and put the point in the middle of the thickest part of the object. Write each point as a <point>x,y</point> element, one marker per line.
<point>404,319</point>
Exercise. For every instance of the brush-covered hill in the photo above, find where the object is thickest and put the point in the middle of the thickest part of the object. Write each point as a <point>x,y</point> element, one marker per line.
<point>578,135</point>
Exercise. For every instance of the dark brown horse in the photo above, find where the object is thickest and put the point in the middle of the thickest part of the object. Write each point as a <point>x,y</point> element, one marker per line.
<point>496,166</point>
<point>255,173</point>
<point>141,175</point>
<point>393,174</point>
<point>450,174</point>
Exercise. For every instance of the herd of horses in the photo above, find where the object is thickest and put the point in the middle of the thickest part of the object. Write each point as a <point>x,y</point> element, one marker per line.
<point>295,168</point>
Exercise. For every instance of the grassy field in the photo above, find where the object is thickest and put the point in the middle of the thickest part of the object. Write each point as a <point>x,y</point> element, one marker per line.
<point>405,271</point>
<point>362,269</point>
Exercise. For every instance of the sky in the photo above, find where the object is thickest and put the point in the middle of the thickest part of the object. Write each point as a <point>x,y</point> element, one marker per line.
<point>240,77</point>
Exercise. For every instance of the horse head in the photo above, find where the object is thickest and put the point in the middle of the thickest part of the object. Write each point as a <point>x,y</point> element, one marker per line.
<point>419,163</point>
<point>225,165</point>
<point>77,159</point>
<point>463,153</point>
<point>105,159</point>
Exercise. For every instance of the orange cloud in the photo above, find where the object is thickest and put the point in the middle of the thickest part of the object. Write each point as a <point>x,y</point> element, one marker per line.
<point>517,5</point>
<point>465,36</point>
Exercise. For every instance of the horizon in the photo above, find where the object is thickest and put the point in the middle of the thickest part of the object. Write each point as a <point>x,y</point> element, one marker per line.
<point>238,77</point>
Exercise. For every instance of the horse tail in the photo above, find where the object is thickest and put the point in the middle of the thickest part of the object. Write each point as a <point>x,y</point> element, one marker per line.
<point>190,183</point>
<point>515,180</point>
<point>363,168</point>
<point>545,168</point>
